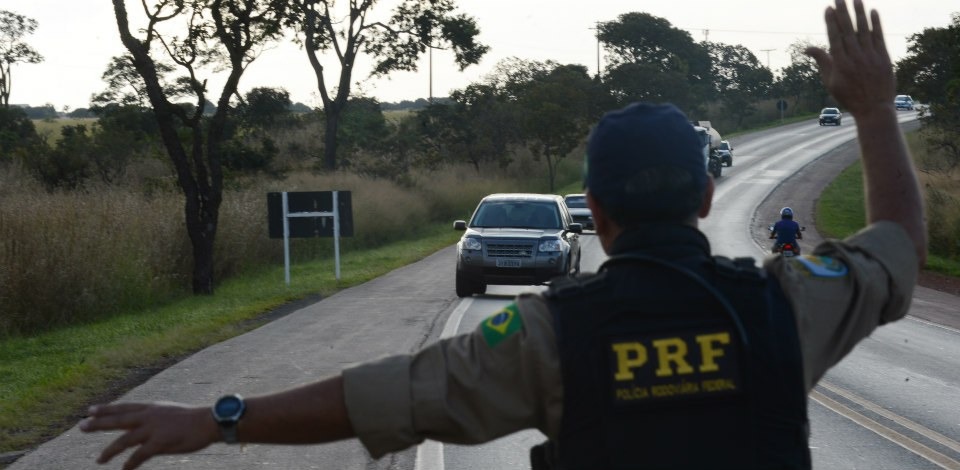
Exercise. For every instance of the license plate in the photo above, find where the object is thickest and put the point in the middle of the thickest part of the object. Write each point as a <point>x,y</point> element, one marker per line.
<point>788,254</point>
<point>508,263</point>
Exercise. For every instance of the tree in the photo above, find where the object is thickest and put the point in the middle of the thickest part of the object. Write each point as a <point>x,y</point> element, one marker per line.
<point>265,108</point>
<point>556,113</point>
<point>68,164</point>
<point>477,126</point>
<point>394,45</point>
<point>17,133</point>
<point>933,62</point>
<point>13,50</point>
<point>222,34</point>
<point>651,60</point>
<point>739,79</point>
<point>801,79</point>
<point>931,74</point>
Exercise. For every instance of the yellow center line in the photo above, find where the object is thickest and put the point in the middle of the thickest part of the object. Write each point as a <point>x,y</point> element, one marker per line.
<point>915,427</point>
<point>903,441</point>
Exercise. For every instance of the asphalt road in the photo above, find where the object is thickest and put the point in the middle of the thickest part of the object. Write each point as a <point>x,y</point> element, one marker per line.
<point>890,404</point>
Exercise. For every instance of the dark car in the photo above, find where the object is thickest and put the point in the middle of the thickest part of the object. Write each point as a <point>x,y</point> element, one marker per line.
<point>830,116</point>
<point>577,206</point>
<point>516,239</point>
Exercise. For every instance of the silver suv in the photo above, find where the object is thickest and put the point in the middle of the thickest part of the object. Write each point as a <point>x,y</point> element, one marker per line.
<point>903,102</point>
<point>516,239</point>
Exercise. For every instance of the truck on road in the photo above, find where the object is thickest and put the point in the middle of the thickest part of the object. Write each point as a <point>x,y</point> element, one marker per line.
<point>710,141</point>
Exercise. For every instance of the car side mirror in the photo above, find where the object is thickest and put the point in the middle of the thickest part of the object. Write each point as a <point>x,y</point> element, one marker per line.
<point>459,225</point>
<point>576,227</point>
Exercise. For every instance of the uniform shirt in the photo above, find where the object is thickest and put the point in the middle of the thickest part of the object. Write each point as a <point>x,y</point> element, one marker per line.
<point>786,231</point>
<point>505,376</point>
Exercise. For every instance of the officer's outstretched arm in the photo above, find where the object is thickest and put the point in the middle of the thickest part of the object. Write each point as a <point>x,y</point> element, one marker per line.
<point>858,73</point>
<point>311,413</point>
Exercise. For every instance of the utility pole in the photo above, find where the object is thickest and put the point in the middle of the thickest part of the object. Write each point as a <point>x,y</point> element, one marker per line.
<point>597,29</point>
<point>430,99</point>
<point>768,56</point>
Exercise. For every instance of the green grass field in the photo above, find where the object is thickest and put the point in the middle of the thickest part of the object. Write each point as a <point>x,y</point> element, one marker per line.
<point>840,212</point>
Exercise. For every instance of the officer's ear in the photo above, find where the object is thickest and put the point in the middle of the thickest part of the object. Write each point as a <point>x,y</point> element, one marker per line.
<point>707,202</point>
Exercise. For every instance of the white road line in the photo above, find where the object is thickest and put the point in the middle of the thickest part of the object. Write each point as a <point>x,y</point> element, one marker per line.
<point>930,323</point>
<point>430,453</point>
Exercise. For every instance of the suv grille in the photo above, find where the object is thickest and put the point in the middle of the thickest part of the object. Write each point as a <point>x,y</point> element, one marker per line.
<point>510,250</point>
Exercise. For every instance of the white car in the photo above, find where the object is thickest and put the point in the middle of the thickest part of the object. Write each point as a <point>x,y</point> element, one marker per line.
<point>726,153</point>
<point>904,102</point>
<point>577,206</point>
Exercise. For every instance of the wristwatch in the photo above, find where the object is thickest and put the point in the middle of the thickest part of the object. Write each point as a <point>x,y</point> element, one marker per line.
<point>227,412</point>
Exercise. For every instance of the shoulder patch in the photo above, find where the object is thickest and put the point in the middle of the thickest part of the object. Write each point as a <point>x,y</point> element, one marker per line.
<point>821,266</point>
<point>502,325</point>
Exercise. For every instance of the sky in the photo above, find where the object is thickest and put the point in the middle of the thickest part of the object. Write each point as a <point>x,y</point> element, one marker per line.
<point>77,38</point>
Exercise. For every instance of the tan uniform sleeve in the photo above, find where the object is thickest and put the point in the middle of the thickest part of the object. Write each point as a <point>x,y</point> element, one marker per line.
<point>845,290</point>
<point>466,389</point>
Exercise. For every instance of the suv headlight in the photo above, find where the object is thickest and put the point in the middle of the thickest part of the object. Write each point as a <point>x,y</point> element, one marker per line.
<point>471,244</point>
<point>549,245</point>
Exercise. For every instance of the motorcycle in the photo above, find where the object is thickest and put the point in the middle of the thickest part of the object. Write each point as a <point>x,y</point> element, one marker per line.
<point>787,250</point>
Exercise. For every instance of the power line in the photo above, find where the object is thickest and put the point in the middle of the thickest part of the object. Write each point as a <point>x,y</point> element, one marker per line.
<point>745,31</point>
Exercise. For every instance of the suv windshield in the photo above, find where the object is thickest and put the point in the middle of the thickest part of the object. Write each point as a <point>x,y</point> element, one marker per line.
<point>517,214</point>
<point>834,110</point>
<point>724,146</point>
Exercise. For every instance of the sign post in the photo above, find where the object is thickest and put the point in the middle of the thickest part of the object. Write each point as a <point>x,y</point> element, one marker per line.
<point>305,215</point>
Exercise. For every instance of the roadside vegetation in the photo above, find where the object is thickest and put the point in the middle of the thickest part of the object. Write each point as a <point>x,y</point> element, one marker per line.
<point>840,209</point>
<point>108,321</point>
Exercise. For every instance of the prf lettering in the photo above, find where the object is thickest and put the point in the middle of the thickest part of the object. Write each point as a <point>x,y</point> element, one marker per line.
<point>670,354</point>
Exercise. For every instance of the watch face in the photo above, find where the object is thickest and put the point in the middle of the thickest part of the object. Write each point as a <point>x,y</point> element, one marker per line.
<point>228,407</point>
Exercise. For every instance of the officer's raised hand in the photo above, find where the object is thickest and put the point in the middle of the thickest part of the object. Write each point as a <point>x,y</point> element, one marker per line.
<point>857,71</point>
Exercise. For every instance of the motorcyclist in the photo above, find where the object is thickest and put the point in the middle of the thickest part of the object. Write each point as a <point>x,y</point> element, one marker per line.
<point>786,230</point>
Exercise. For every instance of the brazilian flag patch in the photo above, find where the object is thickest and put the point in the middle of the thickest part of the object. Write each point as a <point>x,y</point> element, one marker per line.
<point>502,325</point>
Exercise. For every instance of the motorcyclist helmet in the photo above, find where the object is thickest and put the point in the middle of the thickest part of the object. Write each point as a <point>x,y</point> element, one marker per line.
<point>786,213</point>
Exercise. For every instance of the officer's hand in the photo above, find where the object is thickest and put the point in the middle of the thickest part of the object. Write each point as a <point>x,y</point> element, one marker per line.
<point>857,71</point>
<point>153,429</point>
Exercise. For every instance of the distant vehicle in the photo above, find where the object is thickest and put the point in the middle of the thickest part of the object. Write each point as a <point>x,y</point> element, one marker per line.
<point>830,116</point>
<point>577,206</point>
<point>710,142</point>
<point>726,153</point>
<point>904,102</point>
<point>516,239</point>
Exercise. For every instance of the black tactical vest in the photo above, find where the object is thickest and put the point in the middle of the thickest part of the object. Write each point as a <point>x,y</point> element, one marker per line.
<point>688,364</point>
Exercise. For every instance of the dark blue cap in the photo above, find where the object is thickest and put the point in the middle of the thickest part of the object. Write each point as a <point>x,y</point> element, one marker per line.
<point>638,137</point>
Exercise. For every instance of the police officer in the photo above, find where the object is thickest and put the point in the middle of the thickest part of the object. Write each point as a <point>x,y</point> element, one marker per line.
<point>668,357</point>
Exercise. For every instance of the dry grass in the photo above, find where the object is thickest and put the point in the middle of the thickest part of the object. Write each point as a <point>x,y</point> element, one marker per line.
<point>73,257</point>
<point>49,129</point>
<point>941,185</point>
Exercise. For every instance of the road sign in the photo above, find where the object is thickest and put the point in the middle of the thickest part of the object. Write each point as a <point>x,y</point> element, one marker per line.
<point>309,202</point>
<point>307,215</point>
